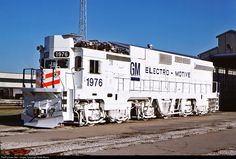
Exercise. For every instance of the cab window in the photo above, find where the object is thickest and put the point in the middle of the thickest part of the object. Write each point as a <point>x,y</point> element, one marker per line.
<point>63,63</point>
<point>78,63</point>
<point>94,66</point>
<point>50,63</point>
<point>60,63</point>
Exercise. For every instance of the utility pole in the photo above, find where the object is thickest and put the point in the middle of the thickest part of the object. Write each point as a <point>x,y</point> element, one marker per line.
<point>83,19</point>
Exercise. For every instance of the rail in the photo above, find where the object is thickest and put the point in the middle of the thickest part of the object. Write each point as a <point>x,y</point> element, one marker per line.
<point>10,102</point>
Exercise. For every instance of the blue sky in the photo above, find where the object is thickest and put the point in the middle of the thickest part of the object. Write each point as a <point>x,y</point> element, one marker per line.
<point>183,26</point>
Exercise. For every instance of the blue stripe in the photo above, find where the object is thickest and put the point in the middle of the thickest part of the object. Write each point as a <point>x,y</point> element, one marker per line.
<point>135,79</point>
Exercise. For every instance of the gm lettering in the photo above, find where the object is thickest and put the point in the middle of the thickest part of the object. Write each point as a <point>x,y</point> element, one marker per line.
<point>134,69</point>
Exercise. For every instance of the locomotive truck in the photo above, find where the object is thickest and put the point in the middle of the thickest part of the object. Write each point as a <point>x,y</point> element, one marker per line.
<point>90,82</point>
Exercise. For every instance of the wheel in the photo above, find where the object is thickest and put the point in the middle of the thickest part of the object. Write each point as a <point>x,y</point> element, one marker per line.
<point>144,119</point>
<point>119,121</point>
<point>91,124</point>
<point>165,117</point>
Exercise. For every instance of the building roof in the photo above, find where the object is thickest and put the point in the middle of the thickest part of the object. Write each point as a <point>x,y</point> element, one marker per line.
<point>225,55</point>
<point>207,52</point>
<point>229,31</point>
<point>226,60</point>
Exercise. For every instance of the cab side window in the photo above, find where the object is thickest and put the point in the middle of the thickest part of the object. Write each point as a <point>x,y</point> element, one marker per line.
<point>78,63</point>
<point>94,66</point>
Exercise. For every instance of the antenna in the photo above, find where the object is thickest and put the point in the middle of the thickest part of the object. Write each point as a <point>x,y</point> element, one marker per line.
<point>83,19</point>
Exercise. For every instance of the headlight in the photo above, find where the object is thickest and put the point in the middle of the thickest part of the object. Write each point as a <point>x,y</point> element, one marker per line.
<point>145,108</point>
<point>36,111</point>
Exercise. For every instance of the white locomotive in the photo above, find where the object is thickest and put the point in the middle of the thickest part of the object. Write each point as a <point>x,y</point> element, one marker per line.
<point>90,82</point>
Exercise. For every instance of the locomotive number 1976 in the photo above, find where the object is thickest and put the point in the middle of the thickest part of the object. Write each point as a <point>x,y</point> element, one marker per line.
<point>94,82</point>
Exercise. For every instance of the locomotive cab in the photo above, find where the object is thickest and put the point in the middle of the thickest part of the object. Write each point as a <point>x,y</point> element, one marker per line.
<point>45,104</point>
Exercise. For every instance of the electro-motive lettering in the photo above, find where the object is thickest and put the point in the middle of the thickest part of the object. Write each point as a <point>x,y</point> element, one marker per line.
<point>136,67</point>
<point>158,71</point>
<point>166,72</point>
<point>182,74</point>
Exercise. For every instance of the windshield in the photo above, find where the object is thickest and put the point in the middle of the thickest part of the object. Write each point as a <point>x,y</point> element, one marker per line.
<point>60,63</point>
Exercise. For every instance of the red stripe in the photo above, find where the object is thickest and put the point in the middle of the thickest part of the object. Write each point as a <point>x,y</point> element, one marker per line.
<point>48,83</point>
<point>49,75</point>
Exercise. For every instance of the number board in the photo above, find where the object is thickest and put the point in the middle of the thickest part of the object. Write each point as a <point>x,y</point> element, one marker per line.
<point>61,54</point>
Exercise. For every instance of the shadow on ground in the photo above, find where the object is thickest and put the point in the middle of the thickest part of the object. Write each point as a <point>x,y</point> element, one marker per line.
<point>11,120</point>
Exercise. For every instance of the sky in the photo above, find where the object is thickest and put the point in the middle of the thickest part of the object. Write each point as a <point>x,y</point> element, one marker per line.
<point>184,26</point>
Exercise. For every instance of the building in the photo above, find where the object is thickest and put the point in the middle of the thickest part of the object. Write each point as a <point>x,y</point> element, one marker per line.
<point>224,58</point>
<point>11,85</point>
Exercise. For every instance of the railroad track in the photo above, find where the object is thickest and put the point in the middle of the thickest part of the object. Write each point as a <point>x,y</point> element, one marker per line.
<point>11,107</point>
<point>84,146</point>
<point>11,103</point>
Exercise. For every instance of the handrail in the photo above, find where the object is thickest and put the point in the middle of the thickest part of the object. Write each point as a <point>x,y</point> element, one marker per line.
<point>53,74</point>
<point>32,70</point>
<point>192,86</point>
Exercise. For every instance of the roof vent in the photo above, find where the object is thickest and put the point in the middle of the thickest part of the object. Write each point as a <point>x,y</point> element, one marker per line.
<point>149,46</point>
